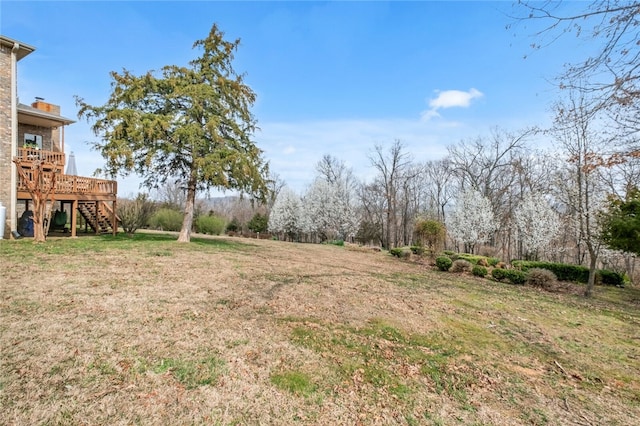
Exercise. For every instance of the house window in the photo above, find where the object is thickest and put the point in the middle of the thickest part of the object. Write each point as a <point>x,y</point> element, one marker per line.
<point>32,141</point>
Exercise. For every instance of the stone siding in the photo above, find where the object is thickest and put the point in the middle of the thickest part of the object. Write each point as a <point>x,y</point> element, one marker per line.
<point>5,134</point>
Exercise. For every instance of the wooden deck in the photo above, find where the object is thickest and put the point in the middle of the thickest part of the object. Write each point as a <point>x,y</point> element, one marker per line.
<point>94,199</point>
<point>68,187</point>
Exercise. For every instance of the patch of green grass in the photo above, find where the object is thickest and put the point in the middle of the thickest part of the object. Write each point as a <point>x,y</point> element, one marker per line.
<point>192,373</point>
<point>404,279</point>
<point>373,354</point>
<point>161,253</point>
<point>103,368</point>
<point>295,382</point>
<point>157,244</point>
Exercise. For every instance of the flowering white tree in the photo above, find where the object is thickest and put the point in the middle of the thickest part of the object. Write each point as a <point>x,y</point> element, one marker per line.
<point>537,224</point>
<point>285,214</point>
<point>472,220</point>
<point>328,212</point>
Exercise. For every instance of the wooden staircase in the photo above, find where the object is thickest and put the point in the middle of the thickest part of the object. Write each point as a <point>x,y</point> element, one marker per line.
<point>98,216</point>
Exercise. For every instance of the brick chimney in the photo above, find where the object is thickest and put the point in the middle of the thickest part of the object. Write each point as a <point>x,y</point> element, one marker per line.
<point>45,106</point>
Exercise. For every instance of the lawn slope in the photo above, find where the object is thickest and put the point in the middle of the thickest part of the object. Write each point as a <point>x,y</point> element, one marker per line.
<point>104,330</point>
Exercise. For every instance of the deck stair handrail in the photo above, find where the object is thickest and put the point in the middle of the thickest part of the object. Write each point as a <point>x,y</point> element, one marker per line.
<point>98,215</point>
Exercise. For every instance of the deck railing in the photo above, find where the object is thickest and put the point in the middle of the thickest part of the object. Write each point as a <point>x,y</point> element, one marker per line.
<point>28,155</point>
<point>68,184</point>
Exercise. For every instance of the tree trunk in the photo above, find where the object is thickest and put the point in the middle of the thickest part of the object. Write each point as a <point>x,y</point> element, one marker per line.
<point>39,207</point>
<point>591,282</point>
<point>187,222</point>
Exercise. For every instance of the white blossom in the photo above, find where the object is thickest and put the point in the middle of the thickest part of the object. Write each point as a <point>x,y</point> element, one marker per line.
<point>286,213</point>
<point>537,223</point>
<point>472,221</point>
<point>328,212</point>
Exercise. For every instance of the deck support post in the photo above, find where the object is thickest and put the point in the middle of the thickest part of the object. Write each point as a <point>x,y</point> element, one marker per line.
<point>74,218</point>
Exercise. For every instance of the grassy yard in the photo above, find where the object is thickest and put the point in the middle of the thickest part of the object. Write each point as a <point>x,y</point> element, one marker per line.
<point>229,331</point>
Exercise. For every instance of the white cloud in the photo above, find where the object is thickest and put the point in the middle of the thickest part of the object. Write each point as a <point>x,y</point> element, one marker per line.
<point>450,99</point>
<point>289,150</point>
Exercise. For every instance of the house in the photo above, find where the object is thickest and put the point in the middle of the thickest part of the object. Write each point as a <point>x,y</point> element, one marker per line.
<point>35,133</point>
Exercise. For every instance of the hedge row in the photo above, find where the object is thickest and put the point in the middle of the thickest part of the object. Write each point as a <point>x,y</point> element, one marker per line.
<point>512,275</point>
<point>577,273</point>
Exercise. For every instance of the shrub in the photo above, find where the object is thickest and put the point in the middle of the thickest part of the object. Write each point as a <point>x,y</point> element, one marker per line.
<point>461,265</point>
<point>234,225</point>
<point>212,225</point>
<point>399,253</point>
<point>443,263</point>
<point>135,214</point>
<point>577,273</point>
<point>166,220</point>
<point>419,250</point>
<point>430,233</point>
<point>479,271</point>
<point>472,258</point>
<point>511,275</point>
<point>258,223</point>
<point>543,278</point>
<point>608,277</point>
<point>483,262</point>
<point>493,261</point>
<point>336,242</point>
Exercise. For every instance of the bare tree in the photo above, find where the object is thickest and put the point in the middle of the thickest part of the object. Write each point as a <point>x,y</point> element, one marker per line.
<point>579,183</point>
<point>173,193</point>
<point>612,73</point>
<point>274,185</point>
<point>372,216</point>
<point>390,167</point>
<point>440,186</point>
<point>411,197</point>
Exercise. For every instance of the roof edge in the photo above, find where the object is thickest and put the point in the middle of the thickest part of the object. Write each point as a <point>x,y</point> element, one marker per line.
<point>26,109</point>
<point>23,49</point>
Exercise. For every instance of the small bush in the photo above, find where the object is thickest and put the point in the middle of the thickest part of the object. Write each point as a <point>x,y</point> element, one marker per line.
<point>443,263</point>
<point>166,220</point>
<point>135,214</point>
<point>212,225</point>
<point>473,258</point>
<point>542,278</point>
<point>234,225</point>
<point>400,253</point>
<point>461,265</point>
<point>511,275</point>
<point>336,242</point>
<point>258,223</point>
<point>418,250</point>
<point>483,262</point>
<point>608,277</point>
<point>493,261</point>
<point>479,271</point>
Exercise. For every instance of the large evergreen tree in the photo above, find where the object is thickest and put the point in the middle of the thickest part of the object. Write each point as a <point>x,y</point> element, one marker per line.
<point>188,124</point>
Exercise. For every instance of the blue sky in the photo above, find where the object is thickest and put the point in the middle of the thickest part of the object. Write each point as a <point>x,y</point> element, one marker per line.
<point>331,77</point>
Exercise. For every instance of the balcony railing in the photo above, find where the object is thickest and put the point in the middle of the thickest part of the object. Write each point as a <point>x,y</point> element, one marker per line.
<point>29,155</point>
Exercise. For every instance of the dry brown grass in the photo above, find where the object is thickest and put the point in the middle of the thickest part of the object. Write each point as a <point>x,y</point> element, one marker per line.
<point>229,331</point>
